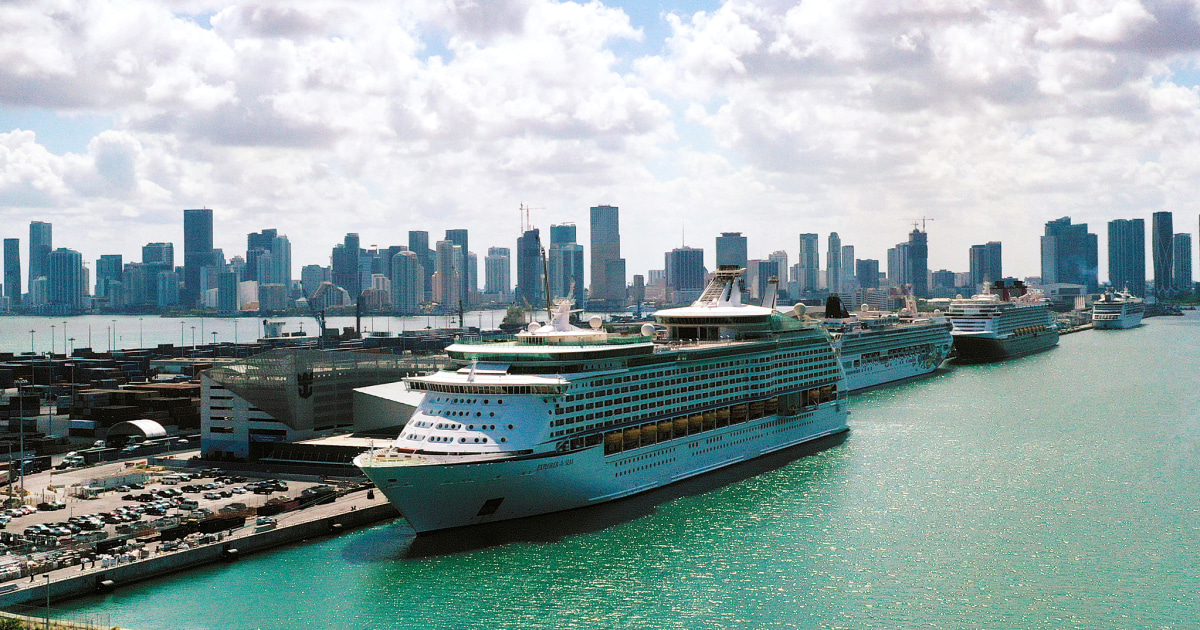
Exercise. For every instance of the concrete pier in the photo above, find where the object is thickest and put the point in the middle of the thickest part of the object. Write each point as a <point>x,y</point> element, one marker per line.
<point>347,512</point>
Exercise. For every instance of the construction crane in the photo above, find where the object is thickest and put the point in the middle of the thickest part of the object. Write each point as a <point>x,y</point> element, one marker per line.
<point>524,212</point>
<point>922,221</point>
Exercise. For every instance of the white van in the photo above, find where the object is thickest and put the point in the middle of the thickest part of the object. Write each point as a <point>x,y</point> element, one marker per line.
<point>171,480</point>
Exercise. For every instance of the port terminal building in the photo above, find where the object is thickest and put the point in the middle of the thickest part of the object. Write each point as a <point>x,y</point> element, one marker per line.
<point>268,406</point>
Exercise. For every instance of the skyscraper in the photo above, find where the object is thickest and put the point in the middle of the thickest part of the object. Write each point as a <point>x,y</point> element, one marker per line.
<point>866,272</point>
<point>418,243</point>
<point>12,271</point>
<point>408,282</point>
<point>159,253</point>
<point>41,242</point>
<point>258,243</point>
<point>985,263</point>
<point>447,280</point>
<point>1127,255</point>
<point>1069,254</point>
<point>565,261</point>
<point>833,263</point>
<point>918,263</point>
<point>468,283</point>
<point>64,268</point>
<point>498,272</point>
<point>345,265</point>
<point>197,251</point>
<point>810,263</point>
<point>685,273</point>
<point>529,270</point>
<point>731,249</point>
<point>898,266</point>
<point>608,268</point>
<point>849,283</point>
<point>1181,272</point>
<point>1162,234</point>
<point>109,271</point>
<point>311,277</point>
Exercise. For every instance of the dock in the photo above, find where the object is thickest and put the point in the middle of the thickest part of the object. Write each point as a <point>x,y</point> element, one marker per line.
<point>80,579</point>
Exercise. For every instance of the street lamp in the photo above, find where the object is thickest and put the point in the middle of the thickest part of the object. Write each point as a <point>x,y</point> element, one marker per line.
<point>181,344</point>
<point>141,340</point>
<point>235,336</point>
<point>52,338</point>
<point>114,333</point>
<point>194,341</point>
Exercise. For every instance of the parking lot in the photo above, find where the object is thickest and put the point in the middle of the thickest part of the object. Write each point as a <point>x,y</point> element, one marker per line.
<point>130,506</point>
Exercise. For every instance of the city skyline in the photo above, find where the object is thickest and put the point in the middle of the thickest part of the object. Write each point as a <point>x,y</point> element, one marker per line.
<point>696,116</point>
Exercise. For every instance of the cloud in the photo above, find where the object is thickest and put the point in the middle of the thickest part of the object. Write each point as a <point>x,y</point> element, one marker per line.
<point>772,117</point>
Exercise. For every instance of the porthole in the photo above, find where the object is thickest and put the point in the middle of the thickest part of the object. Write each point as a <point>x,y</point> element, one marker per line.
<point>478,414</point>
<point>470,426</point>
<point>492,414</point>
<point>503,439</point>
<point>499,401</point>
<point>510,426</point>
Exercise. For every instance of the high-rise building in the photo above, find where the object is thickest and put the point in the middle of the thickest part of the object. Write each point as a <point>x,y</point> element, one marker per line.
<point>849,284</point>
<point>897,270</point>
<point>985,264</point>
<point>765,270</point>
<point>257,244</point>
<point>109,271</point>
<point>833,263</point>
<point>810,263</point>
<point>197,252</point>
<point>281,262</point>
<point>41,242</point>
<point>918,263</point>
<point>1127,255</point>
<point>608,268</point>
<point>731,249</point>
<point>1181,272</point>
<point>866,272</point>
<point>418,243</point>
<point>345,269</point>
<point>66,282</point>
<point>159,253</point>
<point>562,234</point>
<point>448,279</point>
<point>168,289</point>
<point>529,270</point>
<point>1162,233</point>
<point>565,262</point>
<point>685,273</point>
<point>408,282</point>
<point>467,284</point>
<point>12,271</point>
<point>1069,254</point>
<point>227,292</point>
<point>498,272</point>
<point>311,277</point>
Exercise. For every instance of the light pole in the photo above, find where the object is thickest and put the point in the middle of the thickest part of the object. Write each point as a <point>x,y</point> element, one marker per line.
<point>214,334</point>
<point>114,333</point>
<point>141,340</point>
<point>181,344</point>
<point>47,576</point>
<point>33,380</point>
<point>235,336</point>
<point>52,338</point>
<point>194,341</point>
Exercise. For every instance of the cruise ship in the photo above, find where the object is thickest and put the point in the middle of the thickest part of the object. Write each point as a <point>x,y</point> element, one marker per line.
<point>564,417</point>
<point>994,326</point>
<point>878,347</point>
<point>1117,310</point>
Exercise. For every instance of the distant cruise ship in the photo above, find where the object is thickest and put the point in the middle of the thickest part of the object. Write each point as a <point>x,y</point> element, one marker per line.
<point>995,326</point>
<point>565,417</point>
<point>1118,310</point>
<point>878,347</point>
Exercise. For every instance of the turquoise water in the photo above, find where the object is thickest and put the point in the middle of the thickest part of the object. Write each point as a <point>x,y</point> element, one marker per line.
<point>1056,491</point>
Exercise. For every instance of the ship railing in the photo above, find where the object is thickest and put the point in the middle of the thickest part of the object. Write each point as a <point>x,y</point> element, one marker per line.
<point>680,344</point>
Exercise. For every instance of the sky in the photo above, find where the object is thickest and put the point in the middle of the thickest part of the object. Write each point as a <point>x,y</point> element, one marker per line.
<point>693,116</point>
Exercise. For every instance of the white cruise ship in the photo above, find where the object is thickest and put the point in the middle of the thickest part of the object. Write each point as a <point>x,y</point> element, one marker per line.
<point>565,417</point>
<point>878,347</point>
<point>994,326</point>
<point>1117,310</point>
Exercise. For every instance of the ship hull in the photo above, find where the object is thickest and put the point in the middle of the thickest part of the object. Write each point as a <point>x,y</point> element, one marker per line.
<point>438,497</point>
<point>970,348</point>
<point>1122,322</point>
<point>866,374</point>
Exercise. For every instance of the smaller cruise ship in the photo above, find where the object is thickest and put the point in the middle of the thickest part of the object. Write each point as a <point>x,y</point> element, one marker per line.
<point>994,326</point>
<point>878,347</point>
<point>1118,310</point>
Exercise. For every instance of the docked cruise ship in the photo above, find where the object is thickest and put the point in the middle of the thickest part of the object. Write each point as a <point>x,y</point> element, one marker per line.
<point>1118,310</point>
<point>994,326</point>
<point>564,417</point>
<point>878,347</point>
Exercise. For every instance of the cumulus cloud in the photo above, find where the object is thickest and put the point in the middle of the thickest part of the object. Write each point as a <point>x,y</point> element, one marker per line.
<point>769,116</point>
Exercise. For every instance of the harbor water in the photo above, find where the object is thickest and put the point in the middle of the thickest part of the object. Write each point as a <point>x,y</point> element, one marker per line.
<point>1060,490</point>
